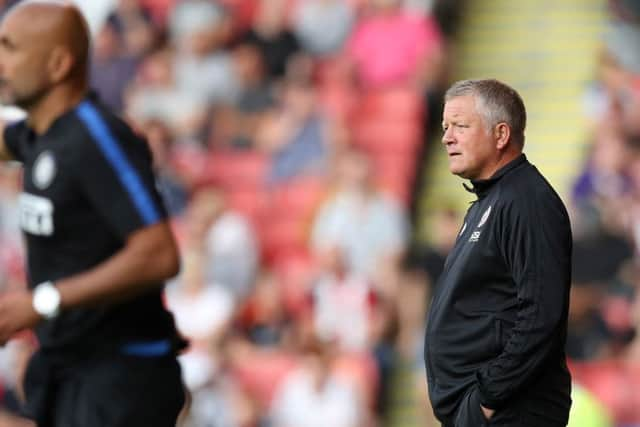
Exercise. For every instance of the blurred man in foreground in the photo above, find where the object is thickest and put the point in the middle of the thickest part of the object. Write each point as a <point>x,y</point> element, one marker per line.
<point>98,243</point>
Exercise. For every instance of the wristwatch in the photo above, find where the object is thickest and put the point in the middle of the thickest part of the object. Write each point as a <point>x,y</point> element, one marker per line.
<point>46,300</point>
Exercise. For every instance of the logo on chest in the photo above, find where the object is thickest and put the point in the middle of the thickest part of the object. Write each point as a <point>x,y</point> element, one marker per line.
<point>44,170</point>
<point>36,214</point>
<point>475,236</point>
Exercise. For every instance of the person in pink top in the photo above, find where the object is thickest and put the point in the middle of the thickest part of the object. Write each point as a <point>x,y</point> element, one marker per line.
<point>391,46</point>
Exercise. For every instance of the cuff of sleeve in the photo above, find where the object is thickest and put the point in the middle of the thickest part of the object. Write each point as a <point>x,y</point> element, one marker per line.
<point>485,398</point>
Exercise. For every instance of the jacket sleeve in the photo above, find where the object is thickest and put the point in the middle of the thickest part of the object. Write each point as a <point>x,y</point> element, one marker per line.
<point>535,241</point>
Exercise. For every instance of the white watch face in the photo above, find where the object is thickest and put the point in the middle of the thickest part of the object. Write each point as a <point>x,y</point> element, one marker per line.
<point>46,299</point>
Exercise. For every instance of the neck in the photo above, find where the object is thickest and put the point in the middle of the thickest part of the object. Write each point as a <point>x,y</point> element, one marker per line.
<point>54,104</point>
<point>504,158</point>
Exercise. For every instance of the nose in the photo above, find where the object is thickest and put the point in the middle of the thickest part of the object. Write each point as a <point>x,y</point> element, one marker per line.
<point>447,137</point>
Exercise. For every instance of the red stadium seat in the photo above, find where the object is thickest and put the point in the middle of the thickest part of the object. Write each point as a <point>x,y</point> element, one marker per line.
<point>189,162</point>
<point>232,169</point>
<point>262,373</point>
<point>251,202</point>
<point>395,173</point>
<point>383,136</point>
<point>337,100</point>
<point>159,9</point>
<point>395,104</point>
<point>298,198</point>
<point>280,237</point>
<point>285,215</point>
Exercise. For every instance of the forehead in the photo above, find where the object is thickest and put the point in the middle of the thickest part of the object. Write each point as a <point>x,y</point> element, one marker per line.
<point>26,23</point>
<point>460,106</point>
<point>14,25</point>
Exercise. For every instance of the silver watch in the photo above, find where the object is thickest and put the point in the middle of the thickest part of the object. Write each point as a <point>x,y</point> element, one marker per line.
<point>46,300</point>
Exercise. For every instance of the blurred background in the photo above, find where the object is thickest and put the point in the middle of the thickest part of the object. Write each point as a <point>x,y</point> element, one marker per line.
<point>297,146</point>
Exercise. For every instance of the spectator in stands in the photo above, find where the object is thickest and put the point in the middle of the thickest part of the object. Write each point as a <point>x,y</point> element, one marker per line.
<point>605,174</point>
<point>156,96</point>
<point>111,68</point>
<point>370,228</point>
<point>203,68</point>
<point>270,34</point>
<point>315,389</point>
<point>322,26</point>
<point>602,194</point>
<point>223,402</point>
<point>390,46</point>
<point>134,24</point>
<point>203,312</point>
<point>171,186</point>
<point>264,317</point>
<point>256,95</point>
<point>616,90</point>
<point>342,303</point>
<point>295,133</point>
<point>235,125</point>
<point>229,246</point>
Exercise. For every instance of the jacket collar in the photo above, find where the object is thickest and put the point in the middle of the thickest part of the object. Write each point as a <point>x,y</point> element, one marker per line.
<point>480,187</point>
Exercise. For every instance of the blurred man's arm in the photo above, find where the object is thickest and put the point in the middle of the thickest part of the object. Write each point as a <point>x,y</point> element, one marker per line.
<point>148,258</point>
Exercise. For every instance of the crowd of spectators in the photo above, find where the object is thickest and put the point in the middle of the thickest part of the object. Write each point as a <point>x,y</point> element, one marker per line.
<point>603,342</point>
<point>286,137</point>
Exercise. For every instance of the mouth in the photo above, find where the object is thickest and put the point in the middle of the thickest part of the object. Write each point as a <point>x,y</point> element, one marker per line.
<point>454,154</point>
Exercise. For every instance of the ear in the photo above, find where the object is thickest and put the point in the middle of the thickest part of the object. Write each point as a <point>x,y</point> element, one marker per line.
<point>502,134</point>
<point>60,63</point>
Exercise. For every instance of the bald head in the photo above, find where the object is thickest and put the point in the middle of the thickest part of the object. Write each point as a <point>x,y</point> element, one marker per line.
<point>44,47</point>
<point>57,24</point>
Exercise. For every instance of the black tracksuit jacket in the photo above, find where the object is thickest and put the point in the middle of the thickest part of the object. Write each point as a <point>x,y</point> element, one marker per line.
<point>498,319</point>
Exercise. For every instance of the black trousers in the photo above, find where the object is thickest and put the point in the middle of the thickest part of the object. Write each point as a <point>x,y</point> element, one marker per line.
<point>121,391</point>
<point>469,414</point>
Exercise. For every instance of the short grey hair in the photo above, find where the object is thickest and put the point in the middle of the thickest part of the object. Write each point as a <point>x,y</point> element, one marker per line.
<point>496,102</point>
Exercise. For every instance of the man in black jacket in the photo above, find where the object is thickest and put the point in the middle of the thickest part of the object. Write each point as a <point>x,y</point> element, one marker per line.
<point>494,347</point>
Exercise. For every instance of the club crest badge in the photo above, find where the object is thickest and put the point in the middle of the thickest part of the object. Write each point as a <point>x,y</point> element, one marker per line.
<point>44,170</point>
<point>485,217</point>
